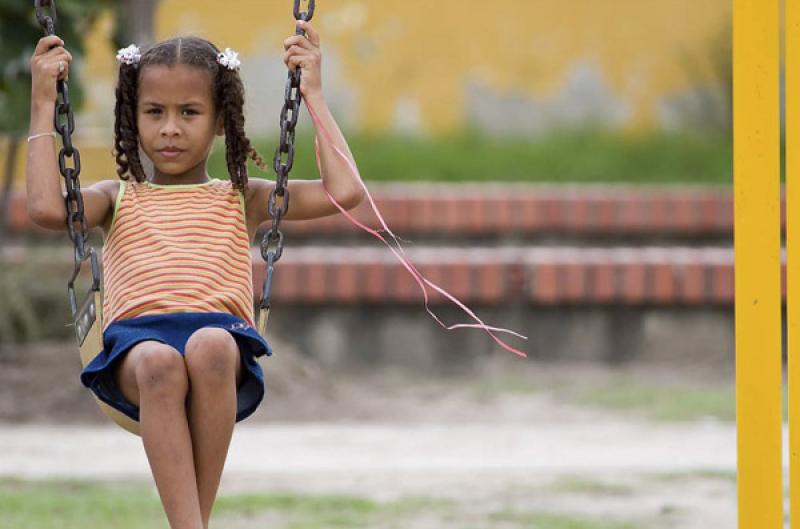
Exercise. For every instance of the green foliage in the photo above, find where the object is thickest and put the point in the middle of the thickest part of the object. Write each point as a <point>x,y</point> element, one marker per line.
<point>19,33</point>
<point>579,156</point>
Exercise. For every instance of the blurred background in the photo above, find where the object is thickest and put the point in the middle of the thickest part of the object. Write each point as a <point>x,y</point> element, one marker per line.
<point>562,168</point>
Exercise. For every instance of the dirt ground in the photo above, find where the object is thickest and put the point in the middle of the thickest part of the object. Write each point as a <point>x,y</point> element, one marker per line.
<point>497,437</point>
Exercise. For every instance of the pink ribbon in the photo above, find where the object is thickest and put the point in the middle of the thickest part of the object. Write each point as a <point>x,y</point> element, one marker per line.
<point>410,267</point>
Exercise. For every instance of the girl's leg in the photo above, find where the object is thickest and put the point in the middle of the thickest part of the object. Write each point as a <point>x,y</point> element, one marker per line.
<point>214,367</point>
<point>153,376</point>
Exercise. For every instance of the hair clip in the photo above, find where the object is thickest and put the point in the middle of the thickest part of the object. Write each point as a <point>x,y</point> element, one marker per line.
<point>229,59</point>
<point>130,55</point>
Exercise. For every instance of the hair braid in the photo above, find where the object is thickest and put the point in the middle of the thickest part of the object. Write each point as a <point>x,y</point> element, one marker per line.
<point>230,93</point>
<point>126,133</point>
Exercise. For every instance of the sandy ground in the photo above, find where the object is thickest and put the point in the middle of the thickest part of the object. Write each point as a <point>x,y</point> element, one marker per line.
<point>391,434</point>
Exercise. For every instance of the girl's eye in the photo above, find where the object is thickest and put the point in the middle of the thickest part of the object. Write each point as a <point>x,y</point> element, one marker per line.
<point>157,110</point>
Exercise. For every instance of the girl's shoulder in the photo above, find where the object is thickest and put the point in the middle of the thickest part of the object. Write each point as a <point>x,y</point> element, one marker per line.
<point>110,187</point>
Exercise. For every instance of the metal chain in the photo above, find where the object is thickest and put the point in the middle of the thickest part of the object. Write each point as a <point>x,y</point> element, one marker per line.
<point>64,122</point>
<point>288,121</point>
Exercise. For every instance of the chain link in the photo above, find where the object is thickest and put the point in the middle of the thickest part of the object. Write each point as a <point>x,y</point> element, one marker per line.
<point>282,165</point>
<point>64,123</point>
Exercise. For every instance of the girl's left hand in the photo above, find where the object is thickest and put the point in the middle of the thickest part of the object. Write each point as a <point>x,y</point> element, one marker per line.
<point>304,52</point>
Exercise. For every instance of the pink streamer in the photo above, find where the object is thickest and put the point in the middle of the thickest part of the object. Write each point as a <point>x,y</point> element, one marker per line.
<point>410,267</point>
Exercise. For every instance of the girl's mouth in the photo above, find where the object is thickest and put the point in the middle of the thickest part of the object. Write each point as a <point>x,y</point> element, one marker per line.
<point>170,154</point>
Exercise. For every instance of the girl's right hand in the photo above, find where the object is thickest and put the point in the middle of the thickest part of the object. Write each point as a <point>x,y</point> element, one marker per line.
<point>45,68</point>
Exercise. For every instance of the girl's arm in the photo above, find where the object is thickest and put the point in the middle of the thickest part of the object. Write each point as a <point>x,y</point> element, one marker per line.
<point>45,198</point>
<point>337,176</point>
<point>309,198</point>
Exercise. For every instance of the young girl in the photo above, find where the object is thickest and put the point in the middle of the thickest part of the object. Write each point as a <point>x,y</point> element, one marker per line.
<point>180,348</point>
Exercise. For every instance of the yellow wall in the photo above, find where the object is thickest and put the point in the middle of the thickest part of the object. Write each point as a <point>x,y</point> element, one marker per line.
<point>390,61</point>
<point>425,49</point>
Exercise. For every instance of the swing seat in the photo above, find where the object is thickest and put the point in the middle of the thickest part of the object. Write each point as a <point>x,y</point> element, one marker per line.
<point>90,341</point>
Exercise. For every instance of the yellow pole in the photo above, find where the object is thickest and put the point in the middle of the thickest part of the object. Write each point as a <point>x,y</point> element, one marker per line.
<point>757,253</point>
<point>792,62</point>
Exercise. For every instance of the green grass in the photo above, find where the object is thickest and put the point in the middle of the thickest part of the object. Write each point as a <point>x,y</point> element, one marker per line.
<point>70,504</point>
<point>66,504</point>
<point>671,477</point>
<point>668,402</point>
<point>539,520</point>
<point>594,487</point>
<point>74,504</point>
<point>568,156</point>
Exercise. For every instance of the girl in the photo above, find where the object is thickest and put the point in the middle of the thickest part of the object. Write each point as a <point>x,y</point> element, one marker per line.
<point>180,348</point>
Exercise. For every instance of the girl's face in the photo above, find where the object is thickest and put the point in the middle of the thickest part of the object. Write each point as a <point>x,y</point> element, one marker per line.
<point>177,120</point>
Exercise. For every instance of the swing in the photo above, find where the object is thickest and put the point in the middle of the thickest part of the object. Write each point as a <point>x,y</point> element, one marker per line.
<point>87,316</point>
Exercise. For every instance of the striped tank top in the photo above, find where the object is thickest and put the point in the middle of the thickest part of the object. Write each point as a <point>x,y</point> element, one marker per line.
<point>177,248</point>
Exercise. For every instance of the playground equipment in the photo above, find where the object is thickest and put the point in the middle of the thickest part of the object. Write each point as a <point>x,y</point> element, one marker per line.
<point>757,241</point>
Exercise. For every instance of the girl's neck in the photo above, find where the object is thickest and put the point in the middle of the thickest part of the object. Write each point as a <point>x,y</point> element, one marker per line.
<point>195,176</point>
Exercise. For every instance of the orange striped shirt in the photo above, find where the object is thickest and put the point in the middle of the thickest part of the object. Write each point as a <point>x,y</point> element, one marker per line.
<point>177,248</point>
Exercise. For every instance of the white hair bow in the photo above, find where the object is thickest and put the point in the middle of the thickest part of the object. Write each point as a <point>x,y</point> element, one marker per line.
<point>229,59</point>
<point>129,55</point>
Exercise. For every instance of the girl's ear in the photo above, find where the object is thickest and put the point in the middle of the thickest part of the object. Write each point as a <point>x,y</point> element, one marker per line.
<point>220,126</point>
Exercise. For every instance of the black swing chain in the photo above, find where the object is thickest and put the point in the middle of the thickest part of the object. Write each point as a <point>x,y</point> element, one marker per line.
<point>64,122</point>
<point>65,125</point>
<point>292,102</point>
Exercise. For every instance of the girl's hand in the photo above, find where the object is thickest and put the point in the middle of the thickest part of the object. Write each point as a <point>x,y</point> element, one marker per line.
<point>304,52</point>
<point>48,66</point>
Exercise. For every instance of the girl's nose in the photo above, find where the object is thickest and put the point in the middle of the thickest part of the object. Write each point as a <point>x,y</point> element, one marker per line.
<point>170,127</point>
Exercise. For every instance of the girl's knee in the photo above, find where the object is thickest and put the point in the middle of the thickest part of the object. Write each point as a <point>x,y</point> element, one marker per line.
<point>212,352</point>
<point>160,369</point>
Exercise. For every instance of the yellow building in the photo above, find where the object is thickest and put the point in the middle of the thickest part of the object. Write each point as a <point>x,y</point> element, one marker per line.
<point>432,67</point>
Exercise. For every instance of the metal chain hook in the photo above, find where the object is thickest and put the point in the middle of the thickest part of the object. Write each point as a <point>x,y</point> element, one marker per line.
<point>288,120</point>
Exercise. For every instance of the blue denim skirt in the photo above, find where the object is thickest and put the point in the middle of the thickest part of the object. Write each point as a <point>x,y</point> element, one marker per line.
<point>174,329</point>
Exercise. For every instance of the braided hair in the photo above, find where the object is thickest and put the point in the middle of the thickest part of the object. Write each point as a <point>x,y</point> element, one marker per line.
<point>228,95</point>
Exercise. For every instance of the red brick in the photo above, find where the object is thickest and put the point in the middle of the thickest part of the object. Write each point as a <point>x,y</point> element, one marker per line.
<point>450,215</point>
<point>459,281</point>
<point>693,283</point>
<point>499,215</point>
<point>476,221</point>
<point>709,214</point>
<point>316,289</point>
<point>401,285</point>
<point>286,279</point>
<point>375,282</point>
<point>345,284</point>
<point>663,283</point>
<point>491,282</point>
<point>575,282</point>
<point>544,287</point>
<point>632,215</point>
<point>684,215</point>
<point>633,282</point>
<point>574,213</point>
<point>604,288</point>
<point>436,273</point>
<point>605,217</point>
<point>722,284</point>
<point>550,214</point>
<point>660,212</point>
<point>530,216</point>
